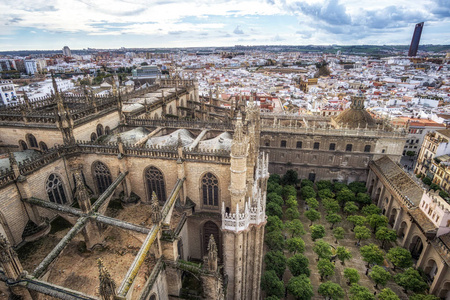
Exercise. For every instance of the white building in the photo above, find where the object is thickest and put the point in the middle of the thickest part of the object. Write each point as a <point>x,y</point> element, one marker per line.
<point>8,93</point>
<point>31,67</point>
<point>437,210</point>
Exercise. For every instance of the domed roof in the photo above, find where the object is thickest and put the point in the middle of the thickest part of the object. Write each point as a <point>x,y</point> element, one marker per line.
<point>356,116</point>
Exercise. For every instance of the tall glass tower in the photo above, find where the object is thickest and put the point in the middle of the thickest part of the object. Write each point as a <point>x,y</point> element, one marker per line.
<point>415,40</point>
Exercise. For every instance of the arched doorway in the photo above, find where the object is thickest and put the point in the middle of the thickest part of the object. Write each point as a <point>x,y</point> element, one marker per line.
<point>211,228</point>
<point>402,230</point>
<point>393,216</point>
<point>102,176</point>
<point>416,247</point>
<point>431,269</point>
<point>445,291</point>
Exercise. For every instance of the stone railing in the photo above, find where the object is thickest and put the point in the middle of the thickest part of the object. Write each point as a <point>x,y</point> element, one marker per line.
<point>240,221</point>
<point>131,121</point>
<point>6,177</point>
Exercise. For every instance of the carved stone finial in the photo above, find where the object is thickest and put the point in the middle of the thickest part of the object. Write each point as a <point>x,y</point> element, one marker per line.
<point>82,193</point>
<point>155,209</point>
<point>107,287</point>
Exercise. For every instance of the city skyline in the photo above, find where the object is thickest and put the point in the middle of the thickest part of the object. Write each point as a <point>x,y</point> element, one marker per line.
<point>51,24</point>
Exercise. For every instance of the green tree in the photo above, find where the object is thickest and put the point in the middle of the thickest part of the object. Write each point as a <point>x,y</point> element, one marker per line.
<point>371,209</point>
<point>312,215</point>
<point>379,275</point>
<point>295,245</point>
<point>275,260</point>
<point>272,298</point>
<point>292,213</point>
<point>294,228</point>
<point>356,220</point>
<point>274,240</point>
<point>324,184</point>
<point>274,178</point>
<point>317,232</point>
<point>331,290</point>
<point>338,186</point>
<point>333,219</point>
<point>290,178</point>
<point>385,234</point>
<point>308,192</point>
<point>331,205</point>
<point>338,233</point>
<point>351,275</point>
<point>350,208</point>
<point>410,280</point>
<point>274,198</point>
<point>377,221</point>
<point>144,63</point>
<point>325,267</point>
<point>273,209</point>
<point>426,180</point>
<point>343,254</point>
<point>363,198</point>
<point>359,292</point>
<point>322,249</point>
<point>361,233</point>
<point>273,187</point>
<point>387,294</point>
<point>298,265</point>
<point>326,193</point>
<point>291,202</point>
<point>312,203</point>
<point>271,284</point>
<point>357,187</point>
<point>372,254</point>
<point>345,195</point>
<point>400,257</point>
<point>300,287</point>
<point>289,190</point>
<point>274,223</point>
<point>306,182</point>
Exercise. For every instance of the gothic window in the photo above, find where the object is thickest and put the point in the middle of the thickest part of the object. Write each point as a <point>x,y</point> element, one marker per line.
<point>99,130</point>
<point>32,141</point>
<point>170,110</point>
<point>155,183</point>
<point>107,130</point>
<point>367,148</point>
<point>210,190</point>
<point>267,143</point>
<point>55,189</point>
<point>23,145</point>
<point>43,146</point>
<point>93,137</point>
<point>102,176</point>
<point>348,147</point>
<point>153,297</point>
<point>332,146</point>
<point>283,144</point>
<point>383,151</point>
<point>316,145</point>
<point>156,116</point>
<point>299,144</point>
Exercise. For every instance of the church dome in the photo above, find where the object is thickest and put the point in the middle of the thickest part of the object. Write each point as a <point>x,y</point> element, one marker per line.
<point>356,116</point>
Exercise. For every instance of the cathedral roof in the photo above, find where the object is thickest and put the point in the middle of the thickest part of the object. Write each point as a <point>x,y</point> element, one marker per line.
<point>130,137</point>
<point>20,156</point>
<point>171,140</point>
<point>220,142</point>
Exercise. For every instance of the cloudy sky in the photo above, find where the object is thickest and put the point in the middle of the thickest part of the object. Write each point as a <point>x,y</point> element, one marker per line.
<point>51,24</point>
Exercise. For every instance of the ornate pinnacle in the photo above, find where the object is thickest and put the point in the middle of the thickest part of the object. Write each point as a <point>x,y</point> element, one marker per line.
<point>155,209</point>
<point>212,253</point>
<point>12,159</point>
<point>107,287</point>
<point>179,141</point>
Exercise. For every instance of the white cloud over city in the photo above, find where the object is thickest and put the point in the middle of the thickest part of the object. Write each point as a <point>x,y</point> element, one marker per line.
<point>50,24</point>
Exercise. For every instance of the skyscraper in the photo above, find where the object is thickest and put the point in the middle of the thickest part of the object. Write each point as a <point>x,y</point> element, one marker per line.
<point>66,51</point>
<point>415,39</point>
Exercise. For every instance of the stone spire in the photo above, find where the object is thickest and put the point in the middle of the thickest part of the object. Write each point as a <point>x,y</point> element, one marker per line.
<point>239,144</point>
<point>63,117</point>
<point>27,102</point>
<point>14,165</point>
<point>155,209</point>
<point>81,193</point>
<point>212,254</point>
<point>107,287</point>
<point>9,260</point>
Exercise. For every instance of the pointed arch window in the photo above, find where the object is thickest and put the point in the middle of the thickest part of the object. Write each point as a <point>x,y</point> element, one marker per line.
<point>32,141</point>
<point>210,190</point>
<point>23,145</point>
<point>102,176</point>
<point>43,146</point>
<point>154,179</point>
<point>55,189</point>
<point>99,130</point>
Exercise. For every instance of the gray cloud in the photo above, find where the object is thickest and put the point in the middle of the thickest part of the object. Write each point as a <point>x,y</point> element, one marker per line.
<point>238,30</point>
<point>13,20</point>
<point>441,8</point>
